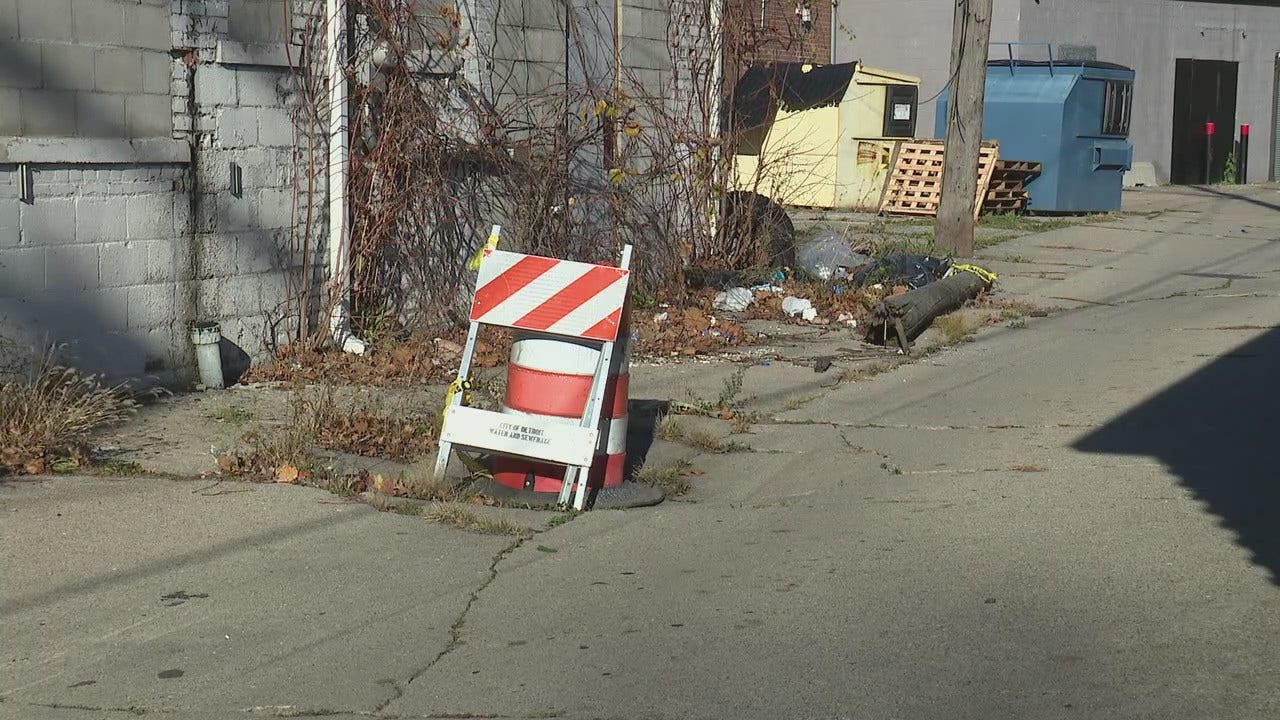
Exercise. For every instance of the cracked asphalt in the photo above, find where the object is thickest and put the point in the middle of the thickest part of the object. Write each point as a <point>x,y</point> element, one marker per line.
<point>1074,519</point>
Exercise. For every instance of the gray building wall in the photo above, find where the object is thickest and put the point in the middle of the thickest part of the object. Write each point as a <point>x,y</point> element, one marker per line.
<point>1149,36</point>
<point>126,117</point>
<point>914,36</point>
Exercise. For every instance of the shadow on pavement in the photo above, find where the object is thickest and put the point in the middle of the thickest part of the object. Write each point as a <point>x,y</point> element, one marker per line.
<point>1210,190</point>
<point>1215,430</point>
<point>91,584</point>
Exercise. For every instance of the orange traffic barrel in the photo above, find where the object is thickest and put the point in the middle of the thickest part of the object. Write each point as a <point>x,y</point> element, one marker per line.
<point>551,377</point>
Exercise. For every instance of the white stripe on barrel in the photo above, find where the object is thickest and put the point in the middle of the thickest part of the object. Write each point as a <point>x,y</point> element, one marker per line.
<point>551,378</point>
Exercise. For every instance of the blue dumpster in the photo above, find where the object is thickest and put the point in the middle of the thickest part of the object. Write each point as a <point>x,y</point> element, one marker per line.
<point>1072,116</point>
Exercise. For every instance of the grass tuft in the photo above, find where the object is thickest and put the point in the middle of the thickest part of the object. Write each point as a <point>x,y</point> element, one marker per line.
<point>464,518</point>
<point>955,327</point>
<point>864,372</point>
<point>50,411</point>
<point>670,428</point>
<point>670,479</point>
<point>704,439</point>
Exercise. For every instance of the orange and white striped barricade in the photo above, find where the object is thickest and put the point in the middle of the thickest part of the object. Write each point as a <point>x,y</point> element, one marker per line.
<point>560,298</point>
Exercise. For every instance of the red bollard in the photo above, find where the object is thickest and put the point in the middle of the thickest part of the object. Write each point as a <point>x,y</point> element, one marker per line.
<point>1210,129</point>
<point>1242,157</point>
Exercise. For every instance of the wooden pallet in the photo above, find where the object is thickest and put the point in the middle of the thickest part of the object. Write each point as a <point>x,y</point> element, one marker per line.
<point>915,185</point>
<point>1007,189</point>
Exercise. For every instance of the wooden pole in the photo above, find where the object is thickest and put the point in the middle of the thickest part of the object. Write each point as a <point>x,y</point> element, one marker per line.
<point>957,208</point>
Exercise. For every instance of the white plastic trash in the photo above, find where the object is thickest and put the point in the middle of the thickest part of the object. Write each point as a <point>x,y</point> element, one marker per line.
<point>206,337</point>
<point>793,306</point>
<point>734,300</point>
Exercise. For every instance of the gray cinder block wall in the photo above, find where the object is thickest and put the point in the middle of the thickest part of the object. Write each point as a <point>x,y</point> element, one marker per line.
<point>124,119</point>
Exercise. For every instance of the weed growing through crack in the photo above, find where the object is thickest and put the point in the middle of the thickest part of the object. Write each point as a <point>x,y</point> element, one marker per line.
<point>723,404</point>
<point>1021,223</point>
<point>798,402</point>
<point>954,327</point>
<point>1020,259</point>
<point>743,421</point>
<point>704,439</point>
<point>731,389</point>
<point>670,428</point>
<point>319,421</point>
<point>562,519</point>
<point>864,372</point>
<point>1018,324</point>
<point>670,479</point>
<point>465,518</point>
<point>234,415</point>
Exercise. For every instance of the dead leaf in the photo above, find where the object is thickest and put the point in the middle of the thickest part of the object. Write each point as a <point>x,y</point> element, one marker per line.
<point>35,466</point>
<point>692,473</point>
<point>287,474</point>
<point>385,485</point>
<point>226,463</point>
<point>727,414</point>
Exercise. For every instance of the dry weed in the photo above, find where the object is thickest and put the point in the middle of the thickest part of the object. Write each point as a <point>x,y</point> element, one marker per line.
<point>51,411</point>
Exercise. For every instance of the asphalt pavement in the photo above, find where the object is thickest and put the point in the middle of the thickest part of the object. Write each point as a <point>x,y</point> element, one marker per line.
<point>1075,518</point>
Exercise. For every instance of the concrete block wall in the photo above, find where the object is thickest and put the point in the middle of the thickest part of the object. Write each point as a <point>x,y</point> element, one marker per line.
<point>85,68</point>
<point>99,262</point>
<point>126,242</point>
<point>242,107</point>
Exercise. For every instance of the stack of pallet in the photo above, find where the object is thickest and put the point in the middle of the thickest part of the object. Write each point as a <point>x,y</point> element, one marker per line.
<point>1007,191</point>
<point>914,186</point>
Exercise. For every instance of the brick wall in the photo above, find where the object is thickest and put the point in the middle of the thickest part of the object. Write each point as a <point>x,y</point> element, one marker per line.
<point>782,35</point>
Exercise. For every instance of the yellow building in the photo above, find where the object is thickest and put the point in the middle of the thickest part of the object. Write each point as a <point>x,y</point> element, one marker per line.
<point>820,136</point>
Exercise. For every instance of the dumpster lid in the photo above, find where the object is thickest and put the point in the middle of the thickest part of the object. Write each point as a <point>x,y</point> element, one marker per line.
<point>763,88</point>
<point>1096,64</point>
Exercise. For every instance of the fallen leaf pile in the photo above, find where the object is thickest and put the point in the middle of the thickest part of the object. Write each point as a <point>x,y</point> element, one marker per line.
<point>372,435</point>
<point>416,360</point>
<point>691,331</point>
<point>832,300</point>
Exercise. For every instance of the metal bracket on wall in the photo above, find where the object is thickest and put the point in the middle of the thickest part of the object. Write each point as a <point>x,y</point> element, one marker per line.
<point>26,184</point>
<point>237,180</point>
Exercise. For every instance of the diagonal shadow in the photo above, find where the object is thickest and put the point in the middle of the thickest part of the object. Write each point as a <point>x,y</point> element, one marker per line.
<point>1215,430</point>
<point>169,563</point>
<point>1210,190</point>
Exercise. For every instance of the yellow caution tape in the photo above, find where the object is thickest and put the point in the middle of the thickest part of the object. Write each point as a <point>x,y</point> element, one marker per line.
<point>986,275</point>
<point>489,246</point>
<point>457,386</point>
<point>472,463</point>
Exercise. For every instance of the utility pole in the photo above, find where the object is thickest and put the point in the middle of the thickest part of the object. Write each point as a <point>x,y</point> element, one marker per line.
<point>956,209</point>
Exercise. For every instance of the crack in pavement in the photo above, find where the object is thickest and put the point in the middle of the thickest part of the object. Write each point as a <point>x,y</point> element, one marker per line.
<point>908,426</point>
<point>131,710</point>
<point>455,630</point>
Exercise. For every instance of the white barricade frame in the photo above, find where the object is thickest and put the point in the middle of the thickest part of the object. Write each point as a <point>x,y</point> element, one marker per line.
<point>558,298</point>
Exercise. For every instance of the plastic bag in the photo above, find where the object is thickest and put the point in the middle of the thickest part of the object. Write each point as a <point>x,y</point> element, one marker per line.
<point>914,271</point>
<point>734,300</point>
<point>829,256</point>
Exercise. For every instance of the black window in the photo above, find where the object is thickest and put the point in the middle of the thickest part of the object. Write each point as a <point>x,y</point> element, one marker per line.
<point>900,110</point>
<point>1117,107</point>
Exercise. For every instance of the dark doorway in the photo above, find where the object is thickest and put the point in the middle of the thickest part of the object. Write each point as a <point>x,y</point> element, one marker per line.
<point>1204,91</point>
